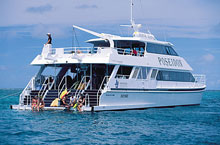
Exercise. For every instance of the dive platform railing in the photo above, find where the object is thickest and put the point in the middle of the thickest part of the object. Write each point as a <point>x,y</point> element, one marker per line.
<point>47,85</point>
<point>83,85</point>
<point>30,86</point>
<point>61,88</point>
<point>102,86</point>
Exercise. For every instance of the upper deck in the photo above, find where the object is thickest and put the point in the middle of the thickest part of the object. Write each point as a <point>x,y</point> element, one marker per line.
<point>108,55</point>
<point>140,50</point>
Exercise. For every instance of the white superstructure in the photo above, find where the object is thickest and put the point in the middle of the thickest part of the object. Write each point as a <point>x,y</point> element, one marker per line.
<point>116,73</point>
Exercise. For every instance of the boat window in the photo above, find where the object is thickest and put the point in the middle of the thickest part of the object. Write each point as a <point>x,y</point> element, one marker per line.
<point>102,43</point>
<point>135,72</point>
<point>123,72</point>
<point>153,74</point>
<point>129,47</point>
<point>142,73</point>
<point>175,76</point>
<point>139,75</point>
<point>160,49</point>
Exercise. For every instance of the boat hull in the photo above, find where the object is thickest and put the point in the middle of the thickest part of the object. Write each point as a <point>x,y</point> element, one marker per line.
<point>125,100</point>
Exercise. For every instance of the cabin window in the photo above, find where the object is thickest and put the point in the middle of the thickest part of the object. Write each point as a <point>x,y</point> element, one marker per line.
<point>130,47</point>
<point>101,43</point>
<point>160,49</point>
<point>175,76</point>
<point>123,72</point>
<point>135,72</point>
<point>153,74</point>
<point>142,73</point>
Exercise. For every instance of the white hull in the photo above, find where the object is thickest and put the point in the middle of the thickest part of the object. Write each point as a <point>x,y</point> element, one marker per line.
<point>137,100</point>
<point>128,100</point>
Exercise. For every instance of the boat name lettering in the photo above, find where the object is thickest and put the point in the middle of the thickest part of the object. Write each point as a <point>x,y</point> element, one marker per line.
<point>124,95</point>
<point>110,95</point>
<point>170,62</point>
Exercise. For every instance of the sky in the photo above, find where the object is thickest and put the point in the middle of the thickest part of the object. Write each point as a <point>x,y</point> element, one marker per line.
<point>193,26</point>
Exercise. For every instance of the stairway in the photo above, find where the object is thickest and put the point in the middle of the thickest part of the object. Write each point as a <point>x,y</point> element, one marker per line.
<point>92,97</point>
<point>32,94</point>
<point>53,94</point>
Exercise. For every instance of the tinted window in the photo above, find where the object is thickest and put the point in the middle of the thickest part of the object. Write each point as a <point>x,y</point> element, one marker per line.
<point>175,76</point>
<point>135,72</point>
<point>160,49</point>
<point>123,72</point>
<point>153,74</point>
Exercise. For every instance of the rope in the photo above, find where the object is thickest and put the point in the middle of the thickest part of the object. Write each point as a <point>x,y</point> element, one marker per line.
<point>75,36</point>
<point>10,95</point>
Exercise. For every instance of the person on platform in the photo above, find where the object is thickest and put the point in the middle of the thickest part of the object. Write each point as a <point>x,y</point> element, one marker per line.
<point>34,103</point>
<point>41,104</point>
<point>80,103</point>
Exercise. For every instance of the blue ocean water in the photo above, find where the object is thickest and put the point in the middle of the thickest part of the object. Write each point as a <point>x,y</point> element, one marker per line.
<point>179,125</point>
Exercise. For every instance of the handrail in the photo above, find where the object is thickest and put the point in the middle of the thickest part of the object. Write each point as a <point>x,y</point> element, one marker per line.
<point>87,97</point>
<point>60,90</point>
<point>100,88</point>
<point>79,88</point>
<point>78,50</point>
<point>129,51</point>
<point>50,87</point>
<point>43,91</point>
<point>22,95</point>
<point>122,76</point>
<point>43,87</point>
<point>199,79</point>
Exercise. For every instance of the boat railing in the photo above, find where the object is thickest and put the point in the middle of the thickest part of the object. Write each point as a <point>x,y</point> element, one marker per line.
<point>200,80</point>
<point>61,88</point>
<point>75,50</point>
<point>122,76</point>
<point>128,51</point>
<point>87,100</point>
<point>29,99</point>
<point>27,90</point>
<point>46,86</point>
<point>83,85</point>
<point>102,86</point>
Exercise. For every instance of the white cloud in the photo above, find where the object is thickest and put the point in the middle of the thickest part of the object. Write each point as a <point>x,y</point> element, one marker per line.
<point>199,20</point>
<point>208,57</point>
<point>40,9</point>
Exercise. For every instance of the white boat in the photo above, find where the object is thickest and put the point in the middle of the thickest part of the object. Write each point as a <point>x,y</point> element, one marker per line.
<point>117,73</point>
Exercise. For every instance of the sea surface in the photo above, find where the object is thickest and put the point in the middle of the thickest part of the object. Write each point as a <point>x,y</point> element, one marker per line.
<point>178,125</point>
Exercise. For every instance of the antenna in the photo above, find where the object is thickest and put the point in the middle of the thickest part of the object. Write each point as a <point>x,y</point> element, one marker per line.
<point>132,11</point>
<point>134,26</point>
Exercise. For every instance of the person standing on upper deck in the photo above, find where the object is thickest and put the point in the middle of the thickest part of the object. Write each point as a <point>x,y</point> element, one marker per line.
<point>49,39</point>
<point>47,49</point>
